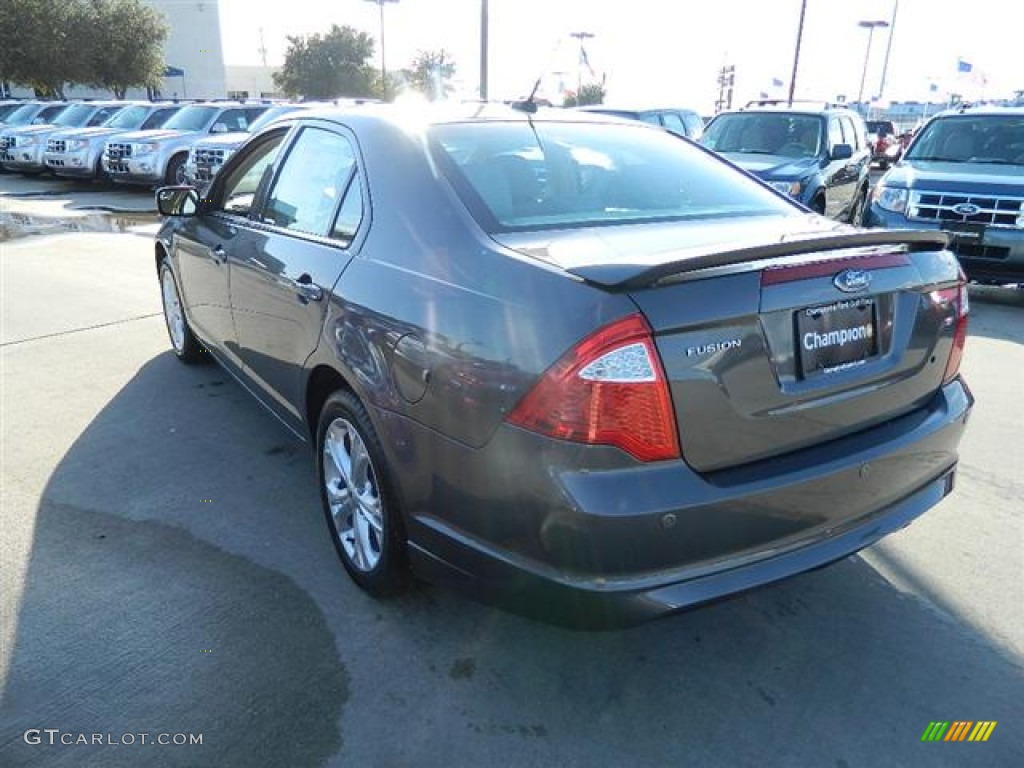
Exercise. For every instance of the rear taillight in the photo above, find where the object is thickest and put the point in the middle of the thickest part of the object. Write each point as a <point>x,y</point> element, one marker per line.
<point>610,389</point>
<point>957,296</point>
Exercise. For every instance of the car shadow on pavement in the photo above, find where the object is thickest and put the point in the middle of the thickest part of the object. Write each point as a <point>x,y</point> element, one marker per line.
<point>181,580</point>
<point>997,312</point>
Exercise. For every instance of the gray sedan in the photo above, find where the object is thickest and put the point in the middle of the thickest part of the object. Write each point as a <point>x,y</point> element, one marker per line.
<point>570,364</point>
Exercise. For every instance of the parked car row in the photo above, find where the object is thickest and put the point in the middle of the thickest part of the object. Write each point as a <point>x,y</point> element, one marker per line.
<point>141,143</point>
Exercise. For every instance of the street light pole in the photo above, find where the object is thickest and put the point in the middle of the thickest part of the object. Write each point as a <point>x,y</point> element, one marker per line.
<point>888,47</point>
<point>484,23</point>
<point>796,53</point>
<point>581,36</point>
<point>870,27</point>
<point>383,66</point>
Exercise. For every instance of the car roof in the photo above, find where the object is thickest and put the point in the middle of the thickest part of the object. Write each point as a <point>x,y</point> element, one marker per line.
<point>442,113</point>
<point>982,110</point>
<point>633,108</point>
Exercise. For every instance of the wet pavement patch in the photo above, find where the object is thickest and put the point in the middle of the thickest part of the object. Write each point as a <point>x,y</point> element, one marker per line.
<point>137,627</point>
<point>17,225</point>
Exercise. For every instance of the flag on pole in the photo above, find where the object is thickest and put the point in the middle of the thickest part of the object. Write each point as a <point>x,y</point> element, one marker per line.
<point>776,83</point>
<point>963,66</point>
<point>585,61</point>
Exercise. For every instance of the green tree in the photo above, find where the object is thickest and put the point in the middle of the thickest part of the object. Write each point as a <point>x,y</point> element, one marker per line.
<point>125,45</point>
<point>431,73</point>
<point>50,44</point>
<point>592,93</point>
<point>328,66</point>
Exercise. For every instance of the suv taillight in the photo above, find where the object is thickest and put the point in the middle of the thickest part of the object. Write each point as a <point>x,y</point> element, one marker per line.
<point>610,389</point>
<point>957,296</point>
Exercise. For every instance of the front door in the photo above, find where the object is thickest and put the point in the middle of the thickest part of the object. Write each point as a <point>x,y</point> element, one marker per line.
<point>280,288</point>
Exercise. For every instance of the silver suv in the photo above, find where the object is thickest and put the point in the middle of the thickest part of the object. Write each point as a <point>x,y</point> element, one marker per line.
<point>23,146</point>
<point>159,156</point>
<point>78,153</point>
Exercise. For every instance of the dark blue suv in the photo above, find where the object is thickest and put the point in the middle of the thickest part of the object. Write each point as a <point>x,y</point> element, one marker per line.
<point>963,173</point>
<point>818,154</point>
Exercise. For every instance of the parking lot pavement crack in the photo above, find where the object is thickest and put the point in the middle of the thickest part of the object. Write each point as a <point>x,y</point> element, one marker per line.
<point>58,334</point>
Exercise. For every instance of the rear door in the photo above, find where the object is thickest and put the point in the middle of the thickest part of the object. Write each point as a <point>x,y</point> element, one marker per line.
<point>307,234</point>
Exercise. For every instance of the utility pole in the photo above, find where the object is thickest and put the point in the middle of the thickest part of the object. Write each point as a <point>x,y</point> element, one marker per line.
<point>726,80</point>
<point>483,49</point>
<point>796,53</point>
<point>581,36</point>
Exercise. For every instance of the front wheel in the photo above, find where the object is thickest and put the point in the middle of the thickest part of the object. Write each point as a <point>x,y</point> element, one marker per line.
<point>359,504</point>
<point>184,343</point>
<point>175,175</point>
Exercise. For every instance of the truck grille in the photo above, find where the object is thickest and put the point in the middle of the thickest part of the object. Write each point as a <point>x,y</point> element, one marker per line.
<point>115,151</point>
<point>989,210</point>
<point>57,145</point>
<point>208,162</point>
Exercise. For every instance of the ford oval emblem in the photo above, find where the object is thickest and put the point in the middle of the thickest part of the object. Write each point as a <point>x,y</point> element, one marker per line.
<point>966,209</point>
<point>852,280</point>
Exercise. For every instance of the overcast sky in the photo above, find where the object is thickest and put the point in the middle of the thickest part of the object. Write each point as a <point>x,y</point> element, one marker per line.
<point>669,51</point>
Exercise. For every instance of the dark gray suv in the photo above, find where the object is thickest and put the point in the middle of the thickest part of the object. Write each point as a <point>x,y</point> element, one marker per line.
<point>577,366</point>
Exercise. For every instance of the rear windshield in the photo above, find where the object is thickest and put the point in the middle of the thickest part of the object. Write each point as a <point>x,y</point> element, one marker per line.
<point>192,118</point>
<point>992,139</point>
<point>522,176</point>
<point>881,127</point>
<point>765,134</point>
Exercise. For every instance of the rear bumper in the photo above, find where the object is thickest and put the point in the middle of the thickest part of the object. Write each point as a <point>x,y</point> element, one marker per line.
<point>607,554</point>
<point>998,257</point>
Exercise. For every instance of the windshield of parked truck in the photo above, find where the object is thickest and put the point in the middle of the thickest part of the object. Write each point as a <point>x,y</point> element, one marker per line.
<point>193,118</point>
<point>992,139</point>
<point>765,134</point>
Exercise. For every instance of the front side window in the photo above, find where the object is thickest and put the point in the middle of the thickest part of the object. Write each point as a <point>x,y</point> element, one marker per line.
<point>49,114</point>
<point>240,186</point>
<point>518,176</point>
<point>851,133</point>
<point>74,116</point>
<point>835,132</point>
<point>314,176</point>
<point>159,118</point>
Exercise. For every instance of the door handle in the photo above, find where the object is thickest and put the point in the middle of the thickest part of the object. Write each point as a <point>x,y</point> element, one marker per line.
<point>219,254</point>
<point>307,289</point>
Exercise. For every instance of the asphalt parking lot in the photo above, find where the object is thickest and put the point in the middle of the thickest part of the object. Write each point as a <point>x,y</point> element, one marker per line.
<point>166,570</point>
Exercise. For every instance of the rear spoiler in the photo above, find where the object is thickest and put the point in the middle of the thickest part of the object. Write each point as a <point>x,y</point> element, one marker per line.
<point>625,276</point>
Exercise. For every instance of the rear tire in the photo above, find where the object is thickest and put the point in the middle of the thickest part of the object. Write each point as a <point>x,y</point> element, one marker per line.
<point>184,343</point>
<point>359,503</point>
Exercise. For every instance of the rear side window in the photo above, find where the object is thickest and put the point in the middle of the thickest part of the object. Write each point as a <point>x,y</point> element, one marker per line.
<point>694,125</point>
<point>517,176</point>
<point>311,183</point>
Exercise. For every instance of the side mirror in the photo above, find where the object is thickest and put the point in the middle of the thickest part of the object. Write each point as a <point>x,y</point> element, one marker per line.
<point>841,152</point>
<point>177,201</point>
<point>219,128</point>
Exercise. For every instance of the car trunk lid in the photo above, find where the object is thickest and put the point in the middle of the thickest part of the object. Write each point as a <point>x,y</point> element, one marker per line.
<point>775,343</point>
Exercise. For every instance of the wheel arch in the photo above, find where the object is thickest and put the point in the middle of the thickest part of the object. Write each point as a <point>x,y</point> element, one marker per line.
<point>323,380</point>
